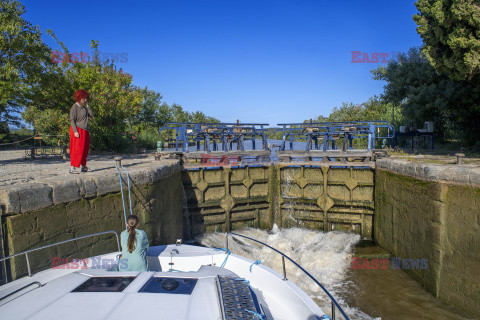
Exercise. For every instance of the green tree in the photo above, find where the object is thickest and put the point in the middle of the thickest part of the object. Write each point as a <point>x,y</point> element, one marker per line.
<point>163,115</point>
<point>149,107</point>
<point>373,110</point>
<point>422,94</point>
<point>450,33</point>
<point>198,117</point>
<point>26,69</point>
<point>178,114</point>
<point>113,99</point>
<point>41,89</point>
<point>347,112</point>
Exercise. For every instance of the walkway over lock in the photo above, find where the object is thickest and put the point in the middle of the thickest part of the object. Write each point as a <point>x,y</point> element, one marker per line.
<point>224,134</point>
<point>323,135</point>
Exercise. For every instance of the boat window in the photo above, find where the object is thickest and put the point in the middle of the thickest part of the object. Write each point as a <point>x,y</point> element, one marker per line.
<point>104,284</point>
<point>169,285</point>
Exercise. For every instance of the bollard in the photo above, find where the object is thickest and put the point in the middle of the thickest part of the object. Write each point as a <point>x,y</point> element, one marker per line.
<point>118,161</point>
<point>460,157</point>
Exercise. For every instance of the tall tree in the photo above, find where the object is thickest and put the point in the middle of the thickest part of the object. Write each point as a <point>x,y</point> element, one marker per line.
<point>113,99</point>
<point>423,94</point>
<point>24,62</point>
<point>149,107</point>
<point>450,30</point>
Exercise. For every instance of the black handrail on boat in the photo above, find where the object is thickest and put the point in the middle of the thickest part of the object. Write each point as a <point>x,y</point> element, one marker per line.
<point>56,244</point>
<point>334,302</point>
<point>20,289</point>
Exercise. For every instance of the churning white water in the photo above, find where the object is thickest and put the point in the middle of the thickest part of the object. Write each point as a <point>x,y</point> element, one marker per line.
<point>326,256</point>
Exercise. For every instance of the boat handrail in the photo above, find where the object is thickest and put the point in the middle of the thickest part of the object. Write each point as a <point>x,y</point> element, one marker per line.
<point>20,289</point>
<point>56,244</point>
<point>334,302</point>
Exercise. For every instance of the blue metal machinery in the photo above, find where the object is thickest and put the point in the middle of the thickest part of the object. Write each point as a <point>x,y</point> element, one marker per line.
<point>216,133</point>
<point>329,132</point>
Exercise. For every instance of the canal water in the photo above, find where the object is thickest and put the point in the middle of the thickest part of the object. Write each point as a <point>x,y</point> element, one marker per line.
<point>364,294</point>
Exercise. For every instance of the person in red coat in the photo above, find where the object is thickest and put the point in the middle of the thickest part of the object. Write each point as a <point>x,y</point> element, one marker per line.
<point>80,113</point>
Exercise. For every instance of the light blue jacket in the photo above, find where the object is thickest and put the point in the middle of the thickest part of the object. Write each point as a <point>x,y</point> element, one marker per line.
<point>137,260</point>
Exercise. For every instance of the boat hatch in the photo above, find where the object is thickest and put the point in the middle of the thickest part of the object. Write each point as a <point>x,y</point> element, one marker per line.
<point>169,285</point>
<point>237,299</point>
<point>104,284</point>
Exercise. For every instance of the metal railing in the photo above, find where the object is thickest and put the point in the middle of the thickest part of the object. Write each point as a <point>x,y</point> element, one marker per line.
<point>333,301</point>
<point>56,244</point>
<point>220,135</point>
<point>329,132</point>
<point>20,289</point>
<point>118,164</point>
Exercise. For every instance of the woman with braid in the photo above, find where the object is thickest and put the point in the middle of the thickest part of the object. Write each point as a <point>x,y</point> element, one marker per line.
<point>134,247</point>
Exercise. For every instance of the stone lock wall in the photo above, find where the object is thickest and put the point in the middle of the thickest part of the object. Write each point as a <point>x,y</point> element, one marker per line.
<point>428,211</point>
<point>158,204</point>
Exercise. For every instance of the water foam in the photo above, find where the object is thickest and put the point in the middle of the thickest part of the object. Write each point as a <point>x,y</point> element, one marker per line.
<point>325,255</point>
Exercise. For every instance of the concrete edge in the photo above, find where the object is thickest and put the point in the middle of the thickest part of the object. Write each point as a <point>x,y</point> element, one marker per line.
<point>32,196</point>
<point>457,174</point>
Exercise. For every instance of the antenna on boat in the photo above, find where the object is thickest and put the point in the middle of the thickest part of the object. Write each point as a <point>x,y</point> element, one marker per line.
<point>118,163</point>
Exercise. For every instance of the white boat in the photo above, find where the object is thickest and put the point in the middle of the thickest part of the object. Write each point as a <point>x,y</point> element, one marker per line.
<point>184,282</point>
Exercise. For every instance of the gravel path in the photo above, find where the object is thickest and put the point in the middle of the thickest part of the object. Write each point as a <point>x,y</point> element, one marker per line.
<point>15,168</point>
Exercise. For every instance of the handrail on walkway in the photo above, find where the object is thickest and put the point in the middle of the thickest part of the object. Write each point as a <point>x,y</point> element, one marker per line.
<point>334,302</point>
<point>56,244</point>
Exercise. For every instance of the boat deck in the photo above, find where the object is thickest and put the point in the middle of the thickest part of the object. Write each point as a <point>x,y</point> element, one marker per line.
<point>185,282</point>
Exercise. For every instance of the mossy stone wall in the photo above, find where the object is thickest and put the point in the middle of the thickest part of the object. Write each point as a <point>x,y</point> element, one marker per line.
<point>158,205</point>
<point>438,221</point>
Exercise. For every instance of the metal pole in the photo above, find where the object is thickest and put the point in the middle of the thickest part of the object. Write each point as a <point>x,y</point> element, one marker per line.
<point>28,265</point>
<point>129,196</point>
<point>226,241</point>
<point>284,270</point>
<point>2,260</point>
<point>333,311</point>
<point>3,264</point>
<point>118,162</point>
<point>291,139</point>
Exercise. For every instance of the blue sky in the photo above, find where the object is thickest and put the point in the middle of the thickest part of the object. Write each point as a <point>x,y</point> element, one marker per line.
<point>257,61</point>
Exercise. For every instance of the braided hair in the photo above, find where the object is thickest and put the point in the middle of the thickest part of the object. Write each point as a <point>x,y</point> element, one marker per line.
<point>132,223</point>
